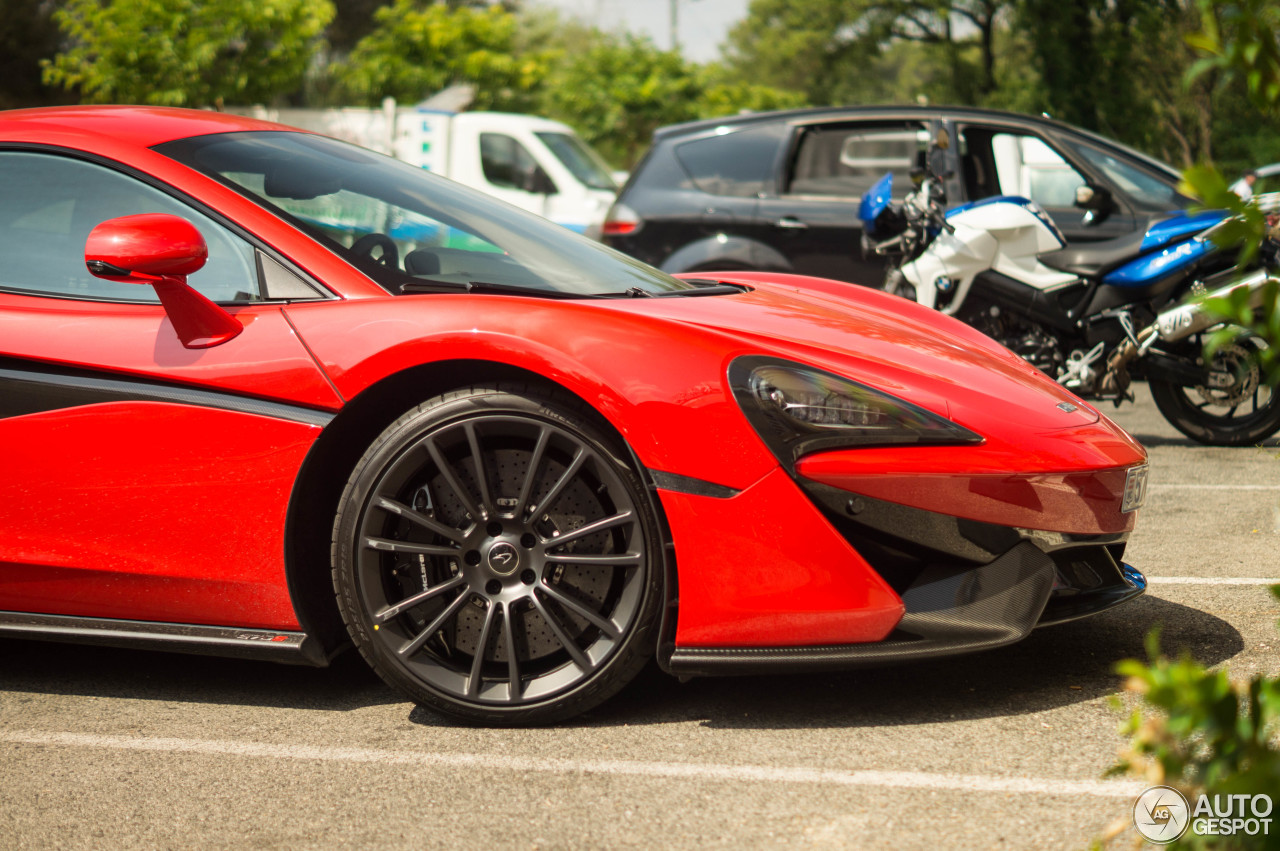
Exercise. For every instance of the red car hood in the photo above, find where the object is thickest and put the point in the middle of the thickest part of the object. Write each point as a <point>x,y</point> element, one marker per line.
<point>886,342</point>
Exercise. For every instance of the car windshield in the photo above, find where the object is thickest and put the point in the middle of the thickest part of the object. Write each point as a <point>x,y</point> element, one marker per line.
<point>1150,191</point>
<point>582,162</point>
<point>408,229</point>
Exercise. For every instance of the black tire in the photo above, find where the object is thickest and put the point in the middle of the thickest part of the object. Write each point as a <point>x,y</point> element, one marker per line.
<point>491,520</point>
<point>1236,408</point>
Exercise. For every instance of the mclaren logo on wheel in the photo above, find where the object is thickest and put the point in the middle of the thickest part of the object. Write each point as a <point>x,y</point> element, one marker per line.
<point>503,558</point>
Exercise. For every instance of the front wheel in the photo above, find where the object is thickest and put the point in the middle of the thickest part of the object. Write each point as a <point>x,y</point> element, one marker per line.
<point>497,559</point>
<point>1236,406</point>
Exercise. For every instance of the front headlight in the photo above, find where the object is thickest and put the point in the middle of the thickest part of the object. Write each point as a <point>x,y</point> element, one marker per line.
<point>798,409</point>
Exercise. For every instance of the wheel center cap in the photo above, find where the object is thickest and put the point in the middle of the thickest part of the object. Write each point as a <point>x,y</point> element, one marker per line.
<point>503,559</point>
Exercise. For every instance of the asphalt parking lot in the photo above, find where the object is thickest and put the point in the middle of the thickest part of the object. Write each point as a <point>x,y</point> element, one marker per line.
<point>103,748</point>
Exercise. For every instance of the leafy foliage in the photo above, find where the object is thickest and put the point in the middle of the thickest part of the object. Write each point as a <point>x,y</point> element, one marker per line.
<point>186,52</point>
<point>1240,39</point>
<point>417,49</point>
<point>1210,735</point>
<point>1111,65</point>
<point>1236,48</point>
<point>835,51</point>
<point>618,89</point>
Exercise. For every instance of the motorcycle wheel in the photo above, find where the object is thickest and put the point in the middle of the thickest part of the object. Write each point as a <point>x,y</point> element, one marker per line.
<point>1236,407</point>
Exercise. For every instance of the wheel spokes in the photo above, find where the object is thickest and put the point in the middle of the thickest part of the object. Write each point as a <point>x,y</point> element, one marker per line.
<point>575,652</point>
<point>590,529</point>
<point>409,547</point>
<point>482,538</point>
<point>618,560</point>
<point>451,478</point>
<point>482,645</point>
<point>513,663</point>
<point>579,457</point>
<point>400,510</point>
<point>385,614</point>
<point>604,625</point>
<point>482,480</point>
<point>531,475</point>
<point>432,628</point>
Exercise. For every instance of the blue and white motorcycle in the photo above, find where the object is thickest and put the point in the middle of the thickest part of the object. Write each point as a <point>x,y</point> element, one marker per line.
<point>1093,316</point>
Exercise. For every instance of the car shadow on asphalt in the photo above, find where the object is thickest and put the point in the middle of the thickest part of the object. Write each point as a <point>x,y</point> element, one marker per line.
<point>1053,667</point>
<point>91,671</point>
<point>1152,441</point>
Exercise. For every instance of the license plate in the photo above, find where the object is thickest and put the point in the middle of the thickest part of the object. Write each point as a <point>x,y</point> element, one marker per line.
<point>1135,489</point>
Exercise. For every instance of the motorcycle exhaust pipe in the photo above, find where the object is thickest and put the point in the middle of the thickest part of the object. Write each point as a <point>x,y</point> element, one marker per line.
<point>1186,319</point>
<point>1172,325</point>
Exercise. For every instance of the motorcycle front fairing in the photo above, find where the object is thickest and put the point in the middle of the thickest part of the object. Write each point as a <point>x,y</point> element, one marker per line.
<point>1002,235</point>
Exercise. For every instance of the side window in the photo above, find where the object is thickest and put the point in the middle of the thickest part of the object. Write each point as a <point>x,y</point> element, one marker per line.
<point>50,203</point>
<point>736,164</point>
<point>1002,163</point>
<point>846,160</point>
<point>506,163</point>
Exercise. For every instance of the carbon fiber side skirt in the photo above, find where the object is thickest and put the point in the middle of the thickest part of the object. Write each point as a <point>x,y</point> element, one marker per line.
<point>296,648</point>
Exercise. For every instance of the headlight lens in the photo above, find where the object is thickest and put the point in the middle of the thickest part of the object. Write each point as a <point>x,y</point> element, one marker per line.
<point>798,409</point>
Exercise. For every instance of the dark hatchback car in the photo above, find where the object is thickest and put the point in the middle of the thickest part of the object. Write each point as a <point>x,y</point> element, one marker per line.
<point>780,190</point>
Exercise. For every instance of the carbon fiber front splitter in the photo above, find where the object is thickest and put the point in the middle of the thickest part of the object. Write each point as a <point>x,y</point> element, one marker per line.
<point>948,611</point>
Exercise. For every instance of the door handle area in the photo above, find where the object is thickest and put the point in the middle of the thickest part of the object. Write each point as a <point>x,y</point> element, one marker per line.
<point>791,223</point>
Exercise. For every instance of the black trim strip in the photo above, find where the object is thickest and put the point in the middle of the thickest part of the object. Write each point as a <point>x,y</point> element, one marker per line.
<point>271,645</point>
<point>694,487</point>
<point>30,388</point>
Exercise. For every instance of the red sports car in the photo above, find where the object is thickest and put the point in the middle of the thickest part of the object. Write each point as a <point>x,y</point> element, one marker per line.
<point>267,394</point>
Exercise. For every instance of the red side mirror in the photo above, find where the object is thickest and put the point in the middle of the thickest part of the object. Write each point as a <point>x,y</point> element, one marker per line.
<point>161,250</point>
<point>151,245</point>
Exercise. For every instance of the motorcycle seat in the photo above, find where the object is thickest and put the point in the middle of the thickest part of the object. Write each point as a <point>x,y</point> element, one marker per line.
<point>1095,258</point>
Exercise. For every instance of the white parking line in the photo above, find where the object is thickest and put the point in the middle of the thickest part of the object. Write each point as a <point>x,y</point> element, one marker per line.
<point>1210,580</point>
<point>498,762</point>
<point>1191,486</point>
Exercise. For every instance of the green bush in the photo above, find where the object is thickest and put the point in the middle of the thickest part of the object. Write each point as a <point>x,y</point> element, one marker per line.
<point>1201,733</point>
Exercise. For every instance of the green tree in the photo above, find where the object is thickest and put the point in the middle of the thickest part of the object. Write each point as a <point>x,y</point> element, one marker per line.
<point>615,90</point>
<point>418,48</point>
<point>1240,43</point>
<point>1116,67</point>
<point>837,51</point>
<point>28,35</point>
<point>186,52</point>
<point>723,95</point>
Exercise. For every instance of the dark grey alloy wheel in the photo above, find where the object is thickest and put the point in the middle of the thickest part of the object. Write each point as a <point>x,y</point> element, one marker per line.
<point>497,560</point>
<point>1235,407</point>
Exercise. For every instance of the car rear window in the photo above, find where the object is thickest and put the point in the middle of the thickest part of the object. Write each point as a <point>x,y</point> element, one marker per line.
<point>732,162</point>
<point>845,160</point>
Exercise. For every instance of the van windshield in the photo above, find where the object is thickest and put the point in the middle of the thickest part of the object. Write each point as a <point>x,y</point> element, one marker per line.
<point>403,226</point>
<point>582,162</point>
